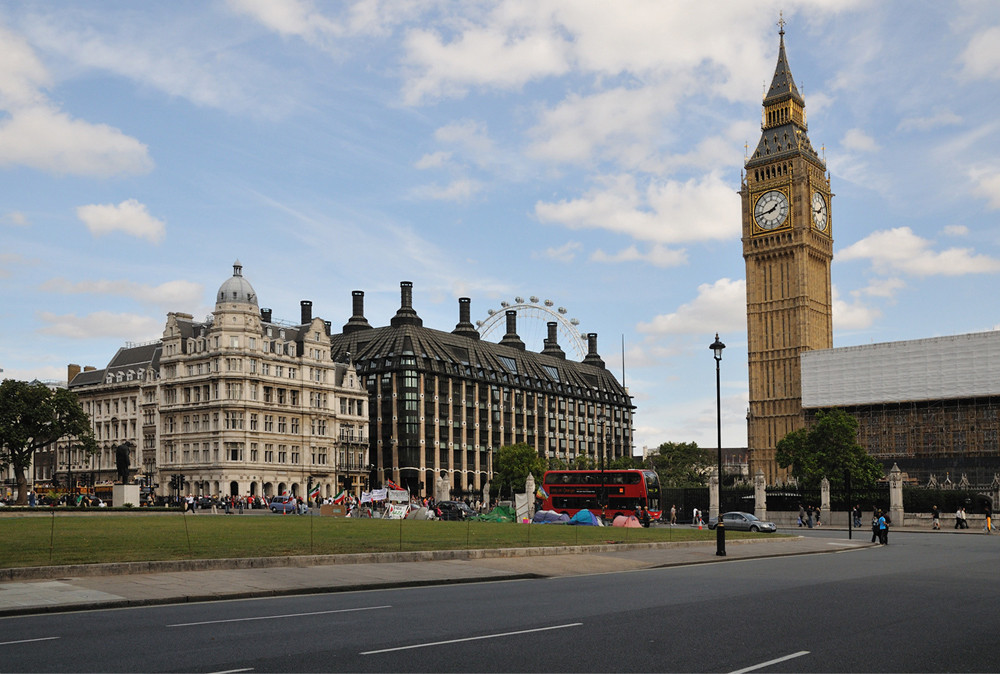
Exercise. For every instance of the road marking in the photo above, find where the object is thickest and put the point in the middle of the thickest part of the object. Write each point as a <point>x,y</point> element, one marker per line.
<point>274,617</point>
<point>234,671</point>
<point>770,662</point>
<point>848,545</point>
<point>26,641</point>
<point>458,641</point>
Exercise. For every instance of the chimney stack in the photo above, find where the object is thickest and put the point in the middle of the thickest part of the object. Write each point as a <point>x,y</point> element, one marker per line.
<point>307,311</point>
<point>406,315</point>
<point>71,371</point>
<point>552,342</point>
<point>511,338</point>
<point>465,328</point>
<point>357,320</point>
<point>592,357</point>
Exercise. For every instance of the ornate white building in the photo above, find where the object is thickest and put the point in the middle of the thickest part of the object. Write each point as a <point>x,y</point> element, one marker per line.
<point>236,404</point>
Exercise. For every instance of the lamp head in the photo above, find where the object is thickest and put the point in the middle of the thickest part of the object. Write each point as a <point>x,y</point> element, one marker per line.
<point>717,348</point>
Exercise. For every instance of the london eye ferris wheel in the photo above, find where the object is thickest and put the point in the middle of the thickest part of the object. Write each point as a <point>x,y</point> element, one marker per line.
<point>533,317</point>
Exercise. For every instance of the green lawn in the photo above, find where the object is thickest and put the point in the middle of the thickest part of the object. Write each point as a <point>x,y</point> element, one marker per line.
<point>112,537</point>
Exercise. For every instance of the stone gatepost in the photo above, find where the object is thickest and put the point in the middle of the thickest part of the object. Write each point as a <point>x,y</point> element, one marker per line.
<point>760,495</point>
<point>713,494</point>
<point>824,500</point>
<point>896,495</point>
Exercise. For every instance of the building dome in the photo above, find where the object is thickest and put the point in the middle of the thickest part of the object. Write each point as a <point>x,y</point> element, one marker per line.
<point>237,288</point>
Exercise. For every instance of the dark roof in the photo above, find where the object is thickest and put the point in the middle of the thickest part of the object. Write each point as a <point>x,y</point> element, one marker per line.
<point>134,358</point>
<point>383,349</point>
<point>788,139</point>
<point>782,84</point>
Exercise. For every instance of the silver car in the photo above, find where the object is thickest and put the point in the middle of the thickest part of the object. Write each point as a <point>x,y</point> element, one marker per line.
<point>737,521</point>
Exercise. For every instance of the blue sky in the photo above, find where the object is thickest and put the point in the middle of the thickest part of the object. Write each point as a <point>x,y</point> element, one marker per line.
<point>583,152</point>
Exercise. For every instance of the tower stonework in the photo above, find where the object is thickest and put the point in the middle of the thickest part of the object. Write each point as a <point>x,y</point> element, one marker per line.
<point>788,247</point>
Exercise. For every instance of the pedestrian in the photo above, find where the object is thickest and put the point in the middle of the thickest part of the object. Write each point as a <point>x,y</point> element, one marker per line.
<point>857,516</point>
<point>802,515</point>
<point>965,518</point>
<point>644,517</point>
<point>935,518</point>
<point>883,529</point>
<point>817,510</point>
<point>673,515</point>
<point>875,525</point>
<point>989,522</point>
<point>958,518</point>
<point>31,498</point>
<point>809,516</point>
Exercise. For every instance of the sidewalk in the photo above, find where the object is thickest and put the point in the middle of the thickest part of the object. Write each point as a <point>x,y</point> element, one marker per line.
<point>57,589</point>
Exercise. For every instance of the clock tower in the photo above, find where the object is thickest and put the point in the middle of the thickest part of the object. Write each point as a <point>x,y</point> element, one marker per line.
<point>788,247</point>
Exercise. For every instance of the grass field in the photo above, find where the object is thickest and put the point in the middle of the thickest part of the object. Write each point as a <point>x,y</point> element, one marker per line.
<point>87,539</point>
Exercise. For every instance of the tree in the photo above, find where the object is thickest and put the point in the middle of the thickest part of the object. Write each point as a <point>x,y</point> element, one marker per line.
<point>826,449</point>
<point>33,416</point>
<point>682,464</point>
<point>582,462</point>
<point>512,465</point>
<point>624,463</point>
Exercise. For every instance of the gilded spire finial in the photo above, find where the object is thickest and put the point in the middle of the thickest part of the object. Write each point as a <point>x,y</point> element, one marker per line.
<point>781,22</point>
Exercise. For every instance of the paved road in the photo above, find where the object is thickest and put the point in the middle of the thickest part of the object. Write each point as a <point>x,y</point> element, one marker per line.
<point>920,604</point>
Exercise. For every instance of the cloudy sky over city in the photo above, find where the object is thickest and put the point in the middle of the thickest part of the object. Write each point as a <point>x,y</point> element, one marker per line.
<point>586,153</point>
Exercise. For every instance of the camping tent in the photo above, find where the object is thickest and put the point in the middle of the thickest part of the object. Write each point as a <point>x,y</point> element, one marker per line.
<point>632,522</point>
<point>550,517</point>
<point>498,514</point>
<point>586,518</point>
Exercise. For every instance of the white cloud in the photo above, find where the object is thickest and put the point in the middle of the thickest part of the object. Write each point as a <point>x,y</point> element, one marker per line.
<point>719,307</point>
<point>289,18</point>
<point>981,58</point>
<point>900,250</point>
<point>49,140</point>
<point>945,118</point>
<point>433,160</point>
<point>477,57</point>
<point>35,133</point>
<point>129,217</point>
<point>101,324</point>
<point>172,294</point>
<point>617,122</point>
<point>955,230</point>
<point>986,184</point>
<point>15,218</point>
<point>461,189</point>
<point>22,75</point>
<point>858,140</point>
<point>565,253</point>
<point>855,315</point>
<point>657,255</point>
<point>664,212</point>
<point>886,288</point>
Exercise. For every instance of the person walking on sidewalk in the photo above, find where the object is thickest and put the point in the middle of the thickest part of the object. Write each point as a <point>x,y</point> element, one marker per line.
<point>883,530</point>
<point>875,525</point>
<point>989,521</point>
<point>936,518</point>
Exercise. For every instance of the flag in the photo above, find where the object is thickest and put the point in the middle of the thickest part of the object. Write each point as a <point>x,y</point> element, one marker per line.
<point>392,485</point>
<point>541,493</point>
<point>340,497</point>
<point>315,492</point>
<point>285,498</point>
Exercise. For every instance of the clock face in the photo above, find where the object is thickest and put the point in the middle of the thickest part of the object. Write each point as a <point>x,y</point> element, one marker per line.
<point>771,210</point>
<point>819,214</point>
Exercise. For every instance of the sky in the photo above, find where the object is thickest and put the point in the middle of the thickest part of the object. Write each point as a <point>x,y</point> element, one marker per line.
<point>584,152</point>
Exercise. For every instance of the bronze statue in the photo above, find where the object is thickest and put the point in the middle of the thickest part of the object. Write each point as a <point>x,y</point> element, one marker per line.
<point>122,460</point>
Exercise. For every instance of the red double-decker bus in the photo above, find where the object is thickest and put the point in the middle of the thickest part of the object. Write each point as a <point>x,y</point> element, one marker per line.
<point>607,492</point>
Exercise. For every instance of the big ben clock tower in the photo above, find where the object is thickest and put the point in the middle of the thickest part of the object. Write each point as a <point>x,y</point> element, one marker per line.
<point>788,247</point>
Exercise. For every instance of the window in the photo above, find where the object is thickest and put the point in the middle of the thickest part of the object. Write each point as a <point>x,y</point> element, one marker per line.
<point>295,425</point>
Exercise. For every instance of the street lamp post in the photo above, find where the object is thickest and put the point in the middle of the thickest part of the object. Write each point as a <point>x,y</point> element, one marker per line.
<point>720,529</point>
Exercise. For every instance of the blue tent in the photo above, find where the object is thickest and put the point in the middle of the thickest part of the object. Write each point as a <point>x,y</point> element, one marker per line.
<point>586,518</point>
